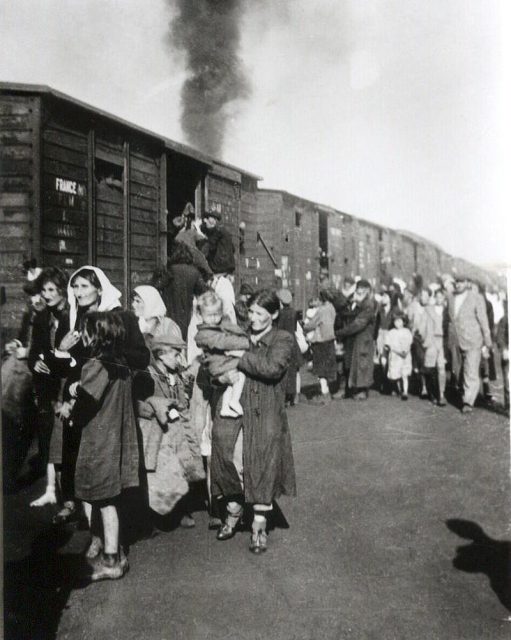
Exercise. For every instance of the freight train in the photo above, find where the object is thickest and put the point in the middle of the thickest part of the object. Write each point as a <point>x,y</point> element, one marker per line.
<point>81,186</point>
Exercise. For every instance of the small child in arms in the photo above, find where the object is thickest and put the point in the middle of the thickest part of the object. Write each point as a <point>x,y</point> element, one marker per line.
<point>216,336</point>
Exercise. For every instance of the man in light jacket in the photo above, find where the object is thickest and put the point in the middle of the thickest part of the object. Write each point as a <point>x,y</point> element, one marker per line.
<point>469,324</point>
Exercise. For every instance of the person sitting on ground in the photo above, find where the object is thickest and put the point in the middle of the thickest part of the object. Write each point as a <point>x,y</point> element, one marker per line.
<point>398,342</point>
<point>216,335</point>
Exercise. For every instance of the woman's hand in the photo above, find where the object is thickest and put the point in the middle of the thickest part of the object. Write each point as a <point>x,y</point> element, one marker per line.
<point>73,389</point>
<point>237,353</point>
<point>41,367</point>
<point>69,340</point>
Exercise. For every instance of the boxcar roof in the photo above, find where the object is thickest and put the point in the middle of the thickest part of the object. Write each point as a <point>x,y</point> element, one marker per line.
<point>17,87</point>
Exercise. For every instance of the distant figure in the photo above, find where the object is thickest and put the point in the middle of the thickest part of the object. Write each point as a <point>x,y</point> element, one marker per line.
<point>471,333</point>
<point>358,337</point>
<point>398,342</point>
<point>218,247</point>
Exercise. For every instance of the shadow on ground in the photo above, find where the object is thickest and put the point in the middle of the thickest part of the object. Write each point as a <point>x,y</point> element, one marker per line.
<point>484,555</point>
<point>37,587</point>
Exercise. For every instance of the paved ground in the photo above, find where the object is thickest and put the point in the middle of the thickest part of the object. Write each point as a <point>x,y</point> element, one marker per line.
<point>400,531</point>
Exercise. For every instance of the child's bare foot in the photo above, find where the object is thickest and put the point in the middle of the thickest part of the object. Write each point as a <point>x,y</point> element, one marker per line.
<point>228,413</point>
<point>95,547</point>
<point>48,497</point>
<point>235,406</point>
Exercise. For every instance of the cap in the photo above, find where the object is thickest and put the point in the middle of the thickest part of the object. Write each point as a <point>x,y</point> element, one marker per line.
<point>363,284</point>
<point>209,213</point>
<point>170,339</point>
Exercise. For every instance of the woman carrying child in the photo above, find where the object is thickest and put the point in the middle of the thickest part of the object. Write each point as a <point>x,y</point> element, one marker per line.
<point>107,460</point>
<point>268,468</point>
<point>399,343</point>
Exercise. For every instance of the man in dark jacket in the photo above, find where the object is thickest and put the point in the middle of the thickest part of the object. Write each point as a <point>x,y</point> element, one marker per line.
<point>358,338</point>
<point>218,247</point>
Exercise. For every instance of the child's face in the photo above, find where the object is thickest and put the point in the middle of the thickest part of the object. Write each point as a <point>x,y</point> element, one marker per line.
<point>171,359</point>
<point>398,323</point>
<point>211,315</point>
<point>439,298</point>
<point>137,304</point>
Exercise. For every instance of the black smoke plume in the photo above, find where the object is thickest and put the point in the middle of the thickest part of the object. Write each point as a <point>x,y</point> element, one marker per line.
<point>208,31</point>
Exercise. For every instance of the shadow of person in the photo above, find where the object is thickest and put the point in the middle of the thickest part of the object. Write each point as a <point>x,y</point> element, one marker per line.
<point>37,588</point>
<point>484,555</point>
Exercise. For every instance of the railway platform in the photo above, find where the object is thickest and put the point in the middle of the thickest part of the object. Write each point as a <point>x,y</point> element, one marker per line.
<point>400,530</point>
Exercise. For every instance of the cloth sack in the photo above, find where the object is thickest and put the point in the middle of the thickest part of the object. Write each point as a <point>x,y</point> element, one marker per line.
<point>16,384</point>
<point>167,484</point>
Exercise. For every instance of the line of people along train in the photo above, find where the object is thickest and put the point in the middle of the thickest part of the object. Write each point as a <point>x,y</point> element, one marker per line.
<point>186,391</point>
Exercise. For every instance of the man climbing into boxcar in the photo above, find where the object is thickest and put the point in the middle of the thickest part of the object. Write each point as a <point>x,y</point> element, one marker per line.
<point>218,246</point>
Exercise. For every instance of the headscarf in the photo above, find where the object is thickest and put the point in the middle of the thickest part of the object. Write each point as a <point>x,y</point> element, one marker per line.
<point>109,299</point>
<point>154,307</point>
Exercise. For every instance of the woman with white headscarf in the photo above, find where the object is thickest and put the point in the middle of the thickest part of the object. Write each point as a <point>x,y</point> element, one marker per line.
<point>148,306</point>
<point>89,289</point>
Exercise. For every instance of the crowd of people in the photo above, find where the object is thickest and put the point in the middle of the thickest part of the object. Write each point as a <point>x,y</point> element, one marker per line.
<point>188,387</point>
<point>443,338</point>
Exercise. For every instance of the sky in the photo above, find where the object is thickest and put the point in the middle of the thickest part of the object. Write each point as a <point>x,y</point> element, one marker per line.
<point>391,110</point>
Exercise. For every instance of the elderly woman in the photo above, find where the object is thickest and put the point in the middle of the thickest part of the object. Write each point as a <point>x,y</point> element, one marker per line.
<point>268,468</point>
<point>148,306</point>
<point>90,290</point>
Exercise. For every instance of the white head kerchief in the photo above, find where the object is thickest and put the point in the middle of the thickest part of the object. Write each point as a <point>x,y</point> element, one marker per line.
<point>154,307</point>
<point>110,296</point>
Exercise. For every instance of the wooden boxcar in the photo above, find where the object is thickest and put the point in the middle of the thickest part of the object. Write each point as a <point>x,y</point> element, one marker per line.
<point>282,244</point>
<point>81,186</point>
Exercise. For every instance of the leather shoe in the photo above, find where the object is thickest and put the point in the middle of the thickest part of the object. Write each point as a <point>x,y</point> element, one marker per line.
<point>258,542</point>
<point>225,532</point>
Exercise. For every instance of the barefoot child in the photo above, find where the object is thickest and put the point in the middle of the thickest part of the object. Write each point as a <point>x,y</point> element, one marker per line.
<point>399,342</point>
<point>217,335</point>
<point>107,459</point>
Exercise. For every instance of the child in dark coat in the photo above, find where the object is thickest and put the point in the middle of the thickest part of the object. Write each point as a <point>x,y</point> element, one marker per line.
<point>216,336</point>
<point>107,460</point>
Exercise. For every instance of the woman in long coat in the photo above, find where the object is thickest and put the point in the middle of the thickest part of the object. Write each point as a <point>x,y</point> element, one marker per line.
<point>358,337</point>
<point>268,468</point>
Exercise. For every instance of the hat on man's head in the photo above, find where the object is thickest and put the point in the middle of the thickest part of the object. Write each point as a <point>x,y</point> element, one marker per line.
<point>285,296</point>
<point>460,277</point>
<point>209,213</point>
<point>363,284</point>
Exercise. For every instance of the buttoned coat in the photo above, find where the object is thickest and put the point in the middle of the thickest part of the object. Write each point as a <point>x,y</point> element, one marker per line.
<point>268,467</point>
<point>471,323</point>
<point>358,338</point>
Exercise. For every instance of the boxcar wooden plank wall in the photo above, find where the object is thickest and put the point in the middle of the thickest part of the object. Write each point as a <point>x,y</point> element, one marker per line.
<point>256,266</point>
<point>19,181</point>
<point>299,231</point>
<point>64,194</point>
<point>144,213</point>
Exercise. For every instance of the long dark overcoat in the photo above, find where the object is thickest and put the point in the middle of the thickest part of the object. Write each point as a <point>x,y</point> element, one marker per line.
<point>268,467</point>
<point>358,337</point>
